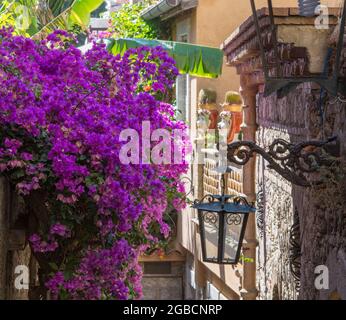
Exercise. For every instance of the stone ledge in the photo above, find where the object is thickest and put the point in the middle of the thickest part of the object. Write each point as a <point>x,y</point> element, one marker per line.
<point>282,16</point>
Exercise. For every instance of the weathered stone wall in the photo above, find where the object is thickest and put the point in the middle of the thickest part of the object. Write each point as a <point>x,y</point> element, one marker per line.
<point>297,229</point>
<point>164,286</point>
<point>14,250</point>
<point>3,237</point>
<point>318,214</point>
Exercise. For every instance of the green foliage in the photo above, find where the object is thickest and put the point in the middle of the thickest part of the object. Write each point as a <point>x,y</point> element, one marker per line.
<point>244,259</point>
<point>233,97</point>
<point>127,23</point>
<point>12,14</point>
<point>81,10</point>
<point>38,18</point>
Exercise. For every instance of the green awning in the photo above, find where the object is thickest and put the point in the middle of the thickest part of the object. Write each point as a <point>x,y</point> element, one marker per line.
<point>199,61</point>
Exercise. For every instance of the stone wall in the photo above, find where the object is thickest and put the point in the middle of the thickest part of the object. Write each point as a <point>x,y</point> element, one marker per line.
<point>163,280</point>
<point>14,249</point>
<point>286,268</point>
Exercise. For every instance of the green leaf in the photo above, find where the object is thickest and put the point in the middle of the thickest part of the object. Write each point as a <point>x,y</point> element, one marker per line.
<point>33,28</point>
<point>60,14</point>
<point>54,266</point>
<point>18,174</point>
<point>89,181</point>
<point>81,10</point>
<point>63,294</point>
<point>68,274</point>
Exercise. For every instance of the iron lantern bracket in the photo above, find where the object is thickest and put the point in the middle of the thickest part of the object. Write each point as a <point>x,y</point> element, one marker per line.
<point>291,161</point>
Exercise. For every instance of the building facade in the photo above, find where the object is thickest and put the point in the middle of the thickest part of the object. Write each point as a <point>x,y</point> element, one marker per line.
<point>209,23</point>
<point>295,229</point>
<point>300,231</point>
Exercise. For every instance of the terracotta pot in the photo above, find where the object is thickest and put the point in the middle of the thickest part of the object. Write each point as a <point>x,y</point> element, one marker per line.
<point>213,119</point>
<point>208,106</point>
<point>237,120</point>
<point>232,107</point>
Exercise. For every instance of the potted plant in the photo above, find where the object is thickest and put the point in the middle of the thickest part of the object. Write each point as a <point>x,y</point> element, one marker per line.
<point>207,99</point>
<point>233,102</point>
<point>207,102</point>
<point>233,105</point>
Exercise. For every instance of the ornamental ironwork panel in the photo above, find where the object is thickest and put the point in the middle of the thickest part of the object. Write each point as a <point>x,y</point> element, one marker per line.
<point>294,249</point>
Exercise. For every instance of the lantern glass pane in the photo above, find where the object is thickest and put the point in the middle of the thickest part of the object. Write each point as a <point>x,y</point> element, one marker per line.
<point>233,228</point>
<point>211,234</point>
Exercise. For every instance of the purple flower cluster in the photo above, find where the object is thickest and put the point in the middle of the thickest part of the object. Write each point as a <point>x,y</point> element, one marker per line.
<point>51,244</point>
<point>102,275</point>
<point>60,230</point>
<point>42,246</point>
<point>61,114</point>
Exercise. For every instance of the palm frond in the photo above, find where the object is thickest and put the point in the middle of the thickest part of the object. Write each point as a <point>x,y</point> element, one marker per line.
<point>59,22</point>
<point>58,6</point>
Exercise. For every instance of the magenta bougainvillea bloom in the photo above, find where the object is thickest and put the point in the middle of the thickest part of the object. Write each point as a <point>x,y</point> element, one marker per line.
<point>61,114</point>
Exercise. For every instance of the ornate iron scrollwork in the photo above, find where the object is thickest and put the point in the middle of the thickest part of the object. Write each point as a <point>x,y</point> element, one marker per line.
<point>233,219</point>
<point>294,250</point>
<point>209,198</point>
<point>260,211</point>
<point>240,200</point>
<point>289,160</point>
<point>210,217</point>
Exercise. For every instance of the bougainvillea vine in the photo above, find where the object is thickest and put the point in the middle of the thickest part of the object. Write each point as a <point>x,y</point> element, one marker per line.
<point>61,114</point>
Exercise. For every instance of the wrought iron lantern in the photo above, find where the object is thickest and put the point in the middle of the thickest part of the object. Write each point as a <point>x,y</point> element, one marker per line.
<point>222,223</point>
